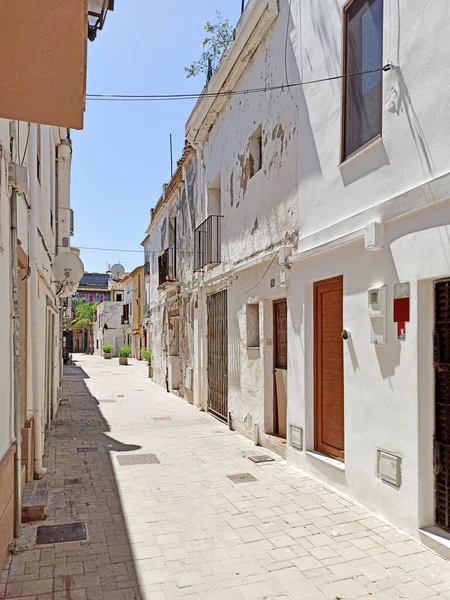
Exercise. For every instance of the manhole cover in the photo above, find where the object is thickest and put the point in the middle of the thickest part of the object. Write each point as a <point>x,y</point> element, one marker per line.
<point>261,458</point>
<point>242,478</point>
<point>161,418</point>
<point>121,396</point>
<point>75,481</point>
<point>126,460</point>
<point>55,534</point>
<point>87,449</point>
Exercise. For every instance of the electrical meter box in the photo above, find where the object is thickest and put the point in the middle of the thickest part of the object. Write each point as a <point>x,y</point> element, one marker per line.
<point>377,308</point>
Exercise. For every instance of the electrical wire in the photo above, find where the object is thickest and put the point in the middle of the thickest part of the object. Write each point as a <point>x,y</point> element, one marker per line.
<point>26,145</point>
<point>265,273</point>
<point>124,250</point>
<point>163,97</point>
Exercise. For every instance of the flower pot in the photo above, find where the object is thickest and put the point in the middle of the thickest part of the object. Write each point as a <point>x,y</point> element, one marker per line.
<point>150,371</point>
<point>107,354</point>
<point>123,360</point>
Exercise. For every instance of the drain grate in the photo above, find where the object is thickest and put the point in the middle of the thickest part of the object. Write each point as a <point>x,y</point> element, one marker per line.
<point>107,401</point>
<point>87,449</point>
<point>55,534</point>
<point>126,460</point>
<point>242,478</point>
<point>161,418</point>
<point>75,481</point>
<point>261,458</point>
<point>120,396</point>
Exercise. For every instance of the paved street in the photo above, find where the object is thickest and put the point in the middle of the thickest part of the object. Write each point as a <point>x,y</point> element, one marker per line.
<point>178,527</point>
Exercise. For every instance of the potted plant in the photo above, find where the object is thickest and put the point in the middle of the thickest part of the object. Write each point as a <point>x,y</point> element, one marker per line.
<point>124,353</point>
<point>107,350</point>
<point>147,356</point>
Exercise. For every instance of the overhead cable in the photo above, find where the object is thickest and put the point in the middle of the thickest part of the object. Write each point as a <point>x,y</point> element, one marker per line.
<point>162,97</point>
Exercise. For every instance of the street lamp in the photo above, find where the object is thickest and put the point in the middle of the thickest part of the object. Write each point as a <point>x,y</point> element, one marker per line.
<point>97,11</point>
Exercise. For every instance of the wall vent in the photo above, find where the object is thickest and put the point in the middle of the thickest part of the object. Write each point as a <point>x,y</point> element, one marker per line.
<point>297,437</point>
<point>389,468</point>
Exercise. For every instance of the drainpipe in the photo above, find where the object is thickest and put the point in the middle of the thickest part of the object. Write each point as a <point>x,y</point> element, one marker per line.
<point>36,353</point>
<point>202,201</point>
<point>63,167</point>
<point>16,367</point>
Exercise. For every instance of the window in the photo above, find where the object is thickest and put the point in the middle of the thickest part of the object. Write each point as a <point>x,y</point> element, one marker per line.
<point>91,297</point>
<point>256,152</point>
<point>252,318</point>
<point>119,297</point>
<point>215,197</point>
<point>362,93</point>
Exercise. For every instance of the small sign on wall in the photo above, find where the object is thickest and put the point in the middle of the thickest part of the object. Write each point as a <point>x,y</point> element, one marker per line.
<point>401,308</point>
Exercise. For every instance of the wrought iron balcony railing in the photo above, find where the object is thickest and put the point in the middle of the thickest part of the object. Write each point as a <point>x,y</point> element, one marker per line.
<point>167,266</point>
<point>207,242</point>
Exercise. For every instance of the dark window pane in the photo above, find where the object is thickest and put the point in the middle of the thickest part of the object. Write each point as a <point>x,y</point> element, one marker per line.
<point>363,93</point>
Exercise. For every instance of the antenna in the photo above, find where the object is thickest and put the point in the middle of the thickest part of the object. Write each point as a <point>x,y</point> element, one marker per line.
<point>117,271</point>
<point>68,270</point>
<point>171,157</point>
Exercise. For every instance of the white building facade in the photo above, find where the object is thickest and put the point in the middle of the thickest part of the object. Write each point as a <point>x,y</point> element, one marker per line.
<point>320,239</point>
<point>36,224</point>
<point>108,327</point>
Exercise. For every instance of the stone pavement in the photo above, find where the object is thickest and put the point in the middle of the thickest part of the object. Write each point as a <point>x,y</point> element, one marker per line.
<point>175,526</point>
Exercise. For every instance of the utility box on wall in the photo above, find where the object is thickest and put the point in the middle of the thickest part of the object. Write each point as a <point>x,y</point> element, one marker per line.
<point>377,308</point>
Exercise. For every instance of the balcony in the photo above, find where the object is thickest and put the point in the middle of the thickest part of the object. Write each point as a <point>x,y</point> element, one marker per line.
<point>207,243</point>
<point>167,266</point>
<point>147,268</point>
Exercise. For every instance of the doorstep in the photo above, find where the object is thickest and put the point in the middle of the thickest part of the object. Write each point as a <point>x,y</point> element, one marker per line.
<point>437,539</point>
<point>35,501</point>
<point>275,443</point>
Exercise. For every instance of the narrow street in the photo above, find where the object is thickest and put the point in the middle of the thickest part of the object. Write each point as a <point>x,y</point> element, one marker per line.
<point>149,475</point>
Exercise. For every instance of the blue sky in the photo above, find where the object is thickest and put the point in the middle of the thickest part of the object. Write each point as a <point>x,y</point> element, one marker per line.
<point>121,158</point>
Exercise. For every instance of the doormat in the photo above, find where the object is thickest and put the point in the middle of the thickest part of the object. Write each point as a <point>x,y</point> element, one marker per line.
<point>127,460</point>
<point>55,534</point>
<point>261,458</point>
<point>87,449</point>
<point>242,478</point>
<point>75,481</point>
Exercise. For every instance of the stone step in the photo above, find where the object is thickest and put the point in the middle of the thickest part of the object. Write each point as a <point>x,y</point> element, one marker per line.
<point>35,500</point>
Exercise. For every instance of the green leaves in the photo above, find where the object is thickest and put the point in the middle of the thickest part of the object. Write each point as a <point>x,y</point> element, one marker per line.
<point>84,313</point>
<point>124,351</point>
<point>214,46</point>
<point>147,355</point>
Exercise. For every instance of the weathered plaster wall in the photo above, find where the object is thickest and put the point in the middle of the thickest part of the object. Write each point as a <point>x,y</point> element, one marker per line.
<point>110,314</point>
<point>260,211</point>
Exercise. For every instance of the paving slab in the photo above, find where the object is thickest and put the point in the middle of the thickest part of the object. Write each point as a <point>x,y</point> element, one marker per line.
<point>173,508</point>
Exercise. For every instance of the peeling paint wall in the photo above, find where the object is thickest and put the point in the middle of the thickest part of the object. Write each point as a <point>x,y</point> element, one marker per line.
<point>174,301</point>
<point>269,197</point>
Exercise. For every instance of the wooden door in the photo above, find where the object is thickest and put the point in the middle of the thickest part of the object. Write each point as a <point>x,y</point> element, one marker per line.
<point>280,366</point>
<point>329,368</point>
<point>218,354</point>
<point>442,403</point>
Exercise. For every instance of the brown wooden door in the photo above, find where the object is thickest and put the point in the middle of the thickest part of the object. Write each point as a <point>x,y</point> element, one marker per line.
<point>280,366</point>
<point>218,354</point>
<point>442,403</point>
<point>329,368</point>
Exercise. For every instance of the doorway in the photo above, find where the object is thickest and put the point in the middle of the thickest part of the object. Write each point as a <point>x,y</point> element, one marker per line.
<point>329,368</point>
<point>280,367</point>
<point>218,355</point>
<point>441,457</point>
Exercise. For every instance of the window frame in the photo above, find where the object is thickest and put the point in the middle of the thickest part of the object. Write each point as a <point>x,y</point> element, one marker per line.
<point>344,158</point>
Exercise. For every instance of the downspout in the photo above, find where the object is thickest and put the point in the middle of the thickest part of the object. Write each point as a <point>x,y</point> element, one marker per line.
<point>36,362</point>
<point>201,334</point>
<point>62,208</point>
<point>16,367</point>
